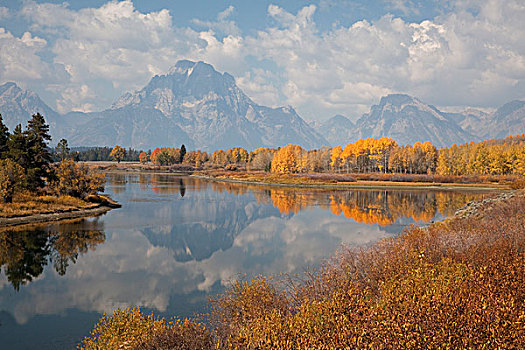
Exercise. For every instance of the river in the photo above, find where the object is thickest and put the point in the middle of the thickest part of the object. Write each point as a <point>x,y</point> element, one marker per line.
<point>178,240</point>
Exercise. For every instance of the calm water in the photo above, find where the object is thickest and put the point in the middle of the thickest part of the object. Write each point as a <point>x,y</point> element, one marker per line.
<point>178,240</point>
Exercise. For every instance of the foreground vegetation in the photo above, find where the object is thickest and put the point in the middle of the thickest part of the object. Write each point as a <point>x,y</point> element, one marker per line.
<point>456,284</point>
<point>30,183</point>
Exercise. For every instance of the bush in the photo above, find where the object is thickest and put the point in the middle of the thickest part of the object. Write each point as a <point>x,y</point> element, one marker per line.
<point>179,335</point>
<point>131,329</point>
<point>458,284</point>
<point>125,329</point>
<point>12,178</point>
<point>518,184</point>
<point>76,180</point>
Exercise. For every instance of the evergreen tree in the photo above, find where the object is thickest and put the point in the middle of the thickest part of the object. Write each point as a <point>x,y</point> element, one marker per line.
<point>62,149</point>
<point>40,157</point>
<point>182,153</point>
<point>4,136</point>
<point>18,147</point>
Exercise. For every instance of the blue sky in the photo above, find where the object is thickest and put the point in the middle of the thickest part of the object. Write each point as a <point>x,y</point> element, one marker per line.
<point>322,57</point>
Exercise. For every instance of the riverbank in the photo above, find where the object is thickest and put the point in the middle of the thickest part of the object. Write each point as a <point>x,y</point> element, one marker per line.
<point>307,182</point>
<point>317,180</point>
<point>50,209</point>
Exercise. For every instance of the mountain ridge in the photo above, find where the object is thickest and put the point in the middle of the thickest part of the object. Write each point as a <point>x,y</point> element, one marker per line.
<point>196,105</point>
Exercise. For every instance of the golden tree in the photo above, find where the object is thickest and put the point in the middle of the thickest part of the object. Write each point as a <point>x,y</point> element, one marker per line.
<point>287,159</point>
<point>12,177</point>
<point>118,153</point>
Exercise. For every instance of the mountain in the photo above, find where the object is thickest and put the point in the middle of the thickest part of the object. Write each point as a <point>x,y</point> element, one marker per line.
<point>17,106</point>
<point>470,120</point>
<point>198,106</point>
<point>509,119</point>
<point>407,120</point>
<point>336,130</point>
<point>193,105</point>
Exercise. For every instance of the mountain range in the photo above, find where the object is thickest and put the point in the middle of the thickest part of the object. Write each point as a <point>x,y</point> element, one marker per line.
<point>195,105</point>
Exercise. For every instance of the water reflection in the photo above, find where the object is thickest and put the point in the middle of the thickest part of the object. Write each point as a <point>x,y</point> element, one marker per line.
<point>25,251</point>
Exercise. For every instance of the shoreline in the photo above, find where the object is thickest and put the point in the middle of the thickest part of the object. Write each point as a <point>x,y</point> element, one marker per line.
<point>74,213</point>
<point>53,217</point>
<point>137,168</point>
<point>364,186</point>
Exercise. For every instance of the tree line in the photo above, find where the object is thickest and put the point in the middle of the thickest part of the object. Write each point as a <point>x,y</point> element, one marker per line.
<point>26,164</point>
<point>370,155</point>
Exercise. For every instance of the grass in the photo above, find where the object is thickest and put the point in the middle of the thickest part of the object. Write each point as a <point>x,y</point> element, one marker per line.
<point>458,284</point>
<point>28,204</point>
<point>366,180</point>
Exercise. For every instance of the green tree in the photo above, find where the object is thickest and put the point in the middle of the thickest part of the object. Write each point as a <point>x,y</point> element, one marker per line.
<point>18,147</point>
<point>62,149</point>
<point>182,153</point>
<point>118,153</point>
<point>4,137</point>
<point>12,178</point>
<point>33,249</point>
<point>40,157</point>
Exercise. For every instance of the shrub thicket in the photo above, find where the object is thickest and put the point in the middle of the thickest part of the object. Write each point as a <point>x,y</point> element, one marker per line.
<point>76,180</point>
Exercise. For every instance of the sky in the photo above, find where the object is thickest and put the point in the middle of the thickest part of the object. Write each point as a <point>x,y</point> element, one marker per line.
<point>322,57</point>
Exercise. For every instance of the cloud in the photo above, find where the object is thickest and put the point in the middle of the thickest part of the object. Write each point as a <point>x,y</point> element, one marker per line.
<point>406,7</point>
<point>456,58</point>
<point>109,49</point>
<point>223,25</point>
<point>470,54</point>
<point>19,59</point>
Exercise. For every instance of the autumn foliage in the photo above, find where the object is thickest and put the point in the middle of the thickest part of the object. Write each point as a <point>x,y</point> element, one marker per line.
<point>76,180</point>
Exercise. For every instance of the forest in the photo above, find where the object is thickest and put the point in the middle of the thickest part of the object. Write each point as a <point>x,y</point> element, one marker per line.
<point>493,157</point>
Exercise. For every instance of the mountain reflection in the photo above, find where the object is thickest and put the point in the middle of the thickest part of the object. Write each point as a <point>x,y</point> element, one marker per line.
<point>25,251</point>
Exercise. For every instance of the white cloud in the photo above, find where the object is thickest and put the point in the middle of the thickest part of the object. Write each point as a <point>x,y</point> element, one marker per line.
<point>113,44</point>
<point>259,86</point>
<point>406,7</point>
<point>223,24</point>
<point>19,58</point>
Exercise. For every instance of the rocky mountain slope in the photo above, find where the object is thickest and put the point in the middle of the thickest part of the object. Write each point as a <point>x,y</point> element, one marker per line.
<point>336,130</point>
<point>17,106</point>
<point>509,119</point>
<point>407,120</point>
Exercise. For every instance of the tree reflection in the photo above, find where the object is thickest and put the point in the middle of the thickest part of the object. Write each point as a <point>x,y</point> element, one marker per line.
<point>371,206</point>
<point>25,251</point>
<point>383,207</point>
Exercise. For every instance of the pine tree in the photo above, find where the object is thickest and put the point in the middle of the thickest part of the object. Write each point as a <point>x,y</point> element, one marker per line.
<point>18,147</point>
<point>4,136</point>
<point>182,153</point>
<point>62,149</point>
<point>40,157</point>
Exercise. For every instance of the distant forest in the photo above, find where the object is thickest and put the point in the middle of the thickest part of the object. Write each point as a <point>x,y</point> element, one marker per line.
<point>85,154</point>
